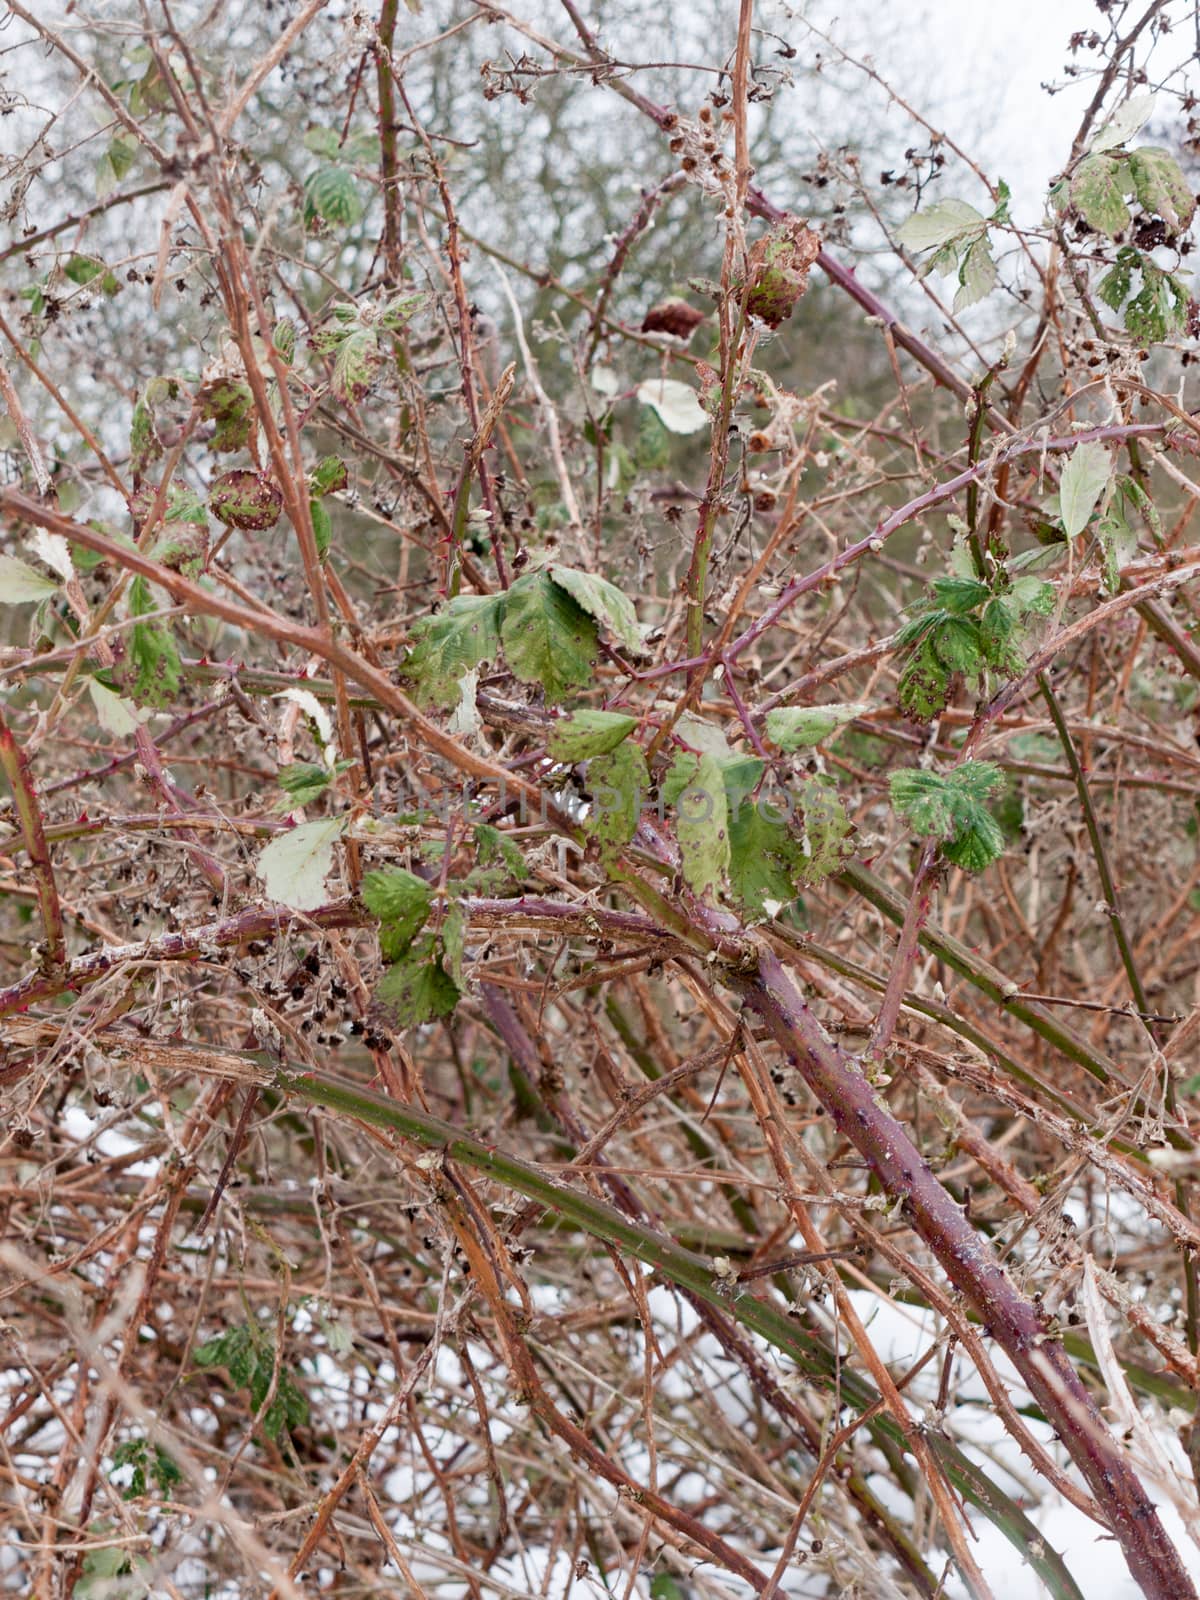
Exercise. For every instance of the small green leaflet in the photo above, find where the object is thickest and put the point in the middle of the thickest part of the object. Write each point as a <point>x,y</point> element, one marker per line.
<point>331,194</point>
<point>800,727</point>
<point>1084,479</point>
<point>20,584</point>
<point>402,902</point>
<point>548,638</point>
<point>617,783</point>
<point>146,1461</point>
<point>604,602</point>
<point>449,644</point>
<point>584,734</point>
<point>828,832</point>
<point>702,827</point>
<point>295,865</point>
<point>958,236</point>
<point>417,988</point>
<point>249,1358</point>
<point>952,807</point>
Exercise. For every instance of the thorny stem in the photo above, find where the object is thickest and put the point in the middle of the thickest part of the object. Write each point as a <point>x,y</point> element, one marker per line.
<point>29,817</point>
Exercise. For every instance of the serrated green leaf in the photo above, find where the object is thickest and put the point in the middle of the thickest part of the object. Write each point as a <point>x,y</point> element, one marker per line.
<point>1123,123</point>
<point>924,683</point>
<point>304,781</point>
<point>295,865</point>
<point>450,644</point>
<point>548,638</point>
<point>1114,288</point>
<point>1084,479</point>
<point>402,902</point>
<point>764,857</point>
<point>959,596</point>
<point>417,988</point>
<point>940,224</point>
<point>1161,187</point>
<point>617,783</point>
<point>332,194</point>
<point>604,602</point>
<point>21,584</point>
<point>1098,187</point>
<point>355,363</point>
<point>801,727</point>
<point>957,644</point>
<point>952,807</point>
<point>977,275</point>
<point>588,733</point>
<point>702,827</point>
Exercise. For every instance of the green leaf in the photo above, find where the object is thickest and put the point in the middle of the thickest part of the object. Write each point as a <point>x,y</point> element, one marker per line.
<point>229,405</point>
<point>20,584</point>
<point>245,499</point>
<point>322,526</point>
<point>957,645</point>
<point>82,269</point>
<point>1098,187</point>
<point>959,596</point>
<point>653,449</point>
<point>952,807</point>
<point>1123,124</point>
<point>977,275</point>
<point>295,865</point>
<point>151,409</point>
<point>676,404</point>
<point>702,827</point>
<point>924,684</point>
<point>304,781</point>
<point>548,638</point>
<point>449,644</point>
<point>1032,594</point>
<point>1114,288</point>
<point>940,224</point>
<point>249,1358</point>
<point>764,857</point>
<point>617,783</point>
<point>499,863</point>
<point>1159,309</point>
<point>417,988</point>
<point>1161,187</point>
<point>827,838</point>
<point>604,602</point>
<point>588,733</point>
<point>355,365</point>
<point>332,194</point>
<point>328,476</point>
<point>800,727</point>
<point>153,671</point>
<point>114,714</point>
<point>402,902</point>
<point>1084,479</point>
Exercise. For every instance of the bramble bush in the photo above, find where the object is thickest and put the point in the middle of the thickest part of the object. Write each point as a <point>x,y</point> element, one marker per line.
<point>600,932</point>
